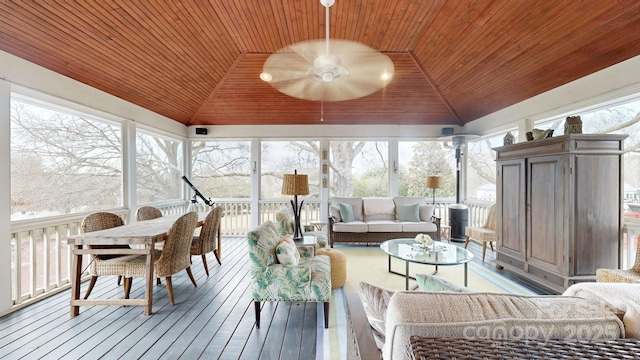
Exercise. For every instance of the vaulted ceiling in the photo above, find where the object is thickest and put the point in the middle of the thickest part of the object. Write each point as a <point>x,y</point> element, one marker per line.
<point>198,62</point>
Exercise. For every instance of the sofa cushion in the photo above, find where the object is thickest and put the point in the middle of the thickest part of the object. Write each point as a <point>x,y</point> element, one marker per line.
<point>356,205</point>
<point>384,226</point>
<point>378,206</point>
<point>425,227</point>
<point>287,251</point>
<point>354,227</point>
<point>426,212</point>
<point>490,315</point>
<point>346,212</point>
<point>620,298</point>
<point>334,211</point>
<point>407,200</point>
<point>375,301</point>
<point>436,283</point>
<point>409,212</point>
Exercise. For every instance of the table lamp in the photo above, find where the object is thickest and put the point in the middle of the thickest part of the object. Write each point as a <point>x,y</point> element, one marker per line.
<point>434,182</point>
<point>295,184</point>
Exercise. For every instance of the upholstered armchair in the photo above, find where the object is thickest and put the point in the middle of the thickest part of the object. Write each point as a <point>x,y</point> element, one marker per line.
<point>284,221</point>
<point>485,234</point>
<point>619,275</point>
<point>272,280</point>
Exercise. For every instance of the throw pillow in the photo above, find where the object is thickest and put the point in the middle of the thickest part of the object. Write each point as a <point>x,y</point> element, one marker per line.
<point>335,212</point>
<point>375,301</point>
<point>346,212</point>
<point>434,283</point>
<point>426,212</point>
<point>287,251</point>
<point>409,212</point>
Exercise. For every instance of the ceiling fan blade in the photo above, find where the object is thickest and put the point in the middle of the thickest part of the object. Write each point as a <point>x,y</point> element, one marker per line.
<point>295,71</point>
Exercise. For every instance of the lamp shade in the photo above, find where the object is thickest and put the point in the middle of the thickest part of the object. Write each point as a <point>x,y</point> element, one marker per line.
<point>295,184</point>
<point>434,182</point>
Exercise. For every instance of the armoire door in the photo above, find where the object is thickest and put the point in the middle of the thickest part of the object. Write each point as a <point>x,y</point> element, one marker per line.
<point>546,211</point>
<point>510,217</point>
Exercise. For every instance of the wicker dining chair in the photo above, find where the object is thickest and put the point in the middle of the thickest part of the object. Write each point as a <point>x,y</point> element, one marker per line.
<point>209,238</point>
<point>101,221</point>
<point>174,257</point>
<point>147,213</point>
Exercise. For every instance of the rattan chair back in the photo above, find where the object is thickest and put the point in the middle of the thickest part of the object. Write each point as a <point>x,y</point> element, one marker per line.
<point>147,213</point>
<point>175,251</point>
<point>207,240</point>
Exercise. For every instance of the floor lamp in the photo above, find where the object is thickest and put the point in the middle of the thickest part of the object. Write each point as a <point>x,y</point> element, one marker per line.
<point>295,184</point>
<point>434,182</point>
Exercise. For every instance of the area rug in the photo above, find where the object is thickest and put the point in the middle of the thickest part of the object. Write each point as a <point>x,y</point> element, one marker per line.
<point>370,265</point>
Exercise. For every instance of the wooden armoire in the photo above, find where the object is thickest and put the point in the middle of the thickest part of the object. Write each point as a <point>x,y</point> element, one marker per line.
<point>559,207</point>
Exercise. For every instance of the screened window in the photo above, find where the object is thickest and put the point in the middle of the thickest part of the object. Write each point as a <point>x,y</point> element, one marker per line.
<point>419,159</point>
<point>62,161</point>
<point>284,157</point>
<point>222,169</point>
<point>359,168</point>
<point>481,167</point>
<point>158,167</point>
<point>617,118</point>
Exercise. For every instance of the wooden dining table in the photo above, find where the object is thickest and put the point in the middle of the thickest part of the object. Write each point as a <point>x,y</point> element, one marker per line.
<point>142,237</point>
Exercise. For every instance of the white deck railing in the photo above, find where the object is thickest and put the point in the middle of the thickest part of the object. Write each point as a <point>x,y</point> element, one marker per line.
<point>41,260</point>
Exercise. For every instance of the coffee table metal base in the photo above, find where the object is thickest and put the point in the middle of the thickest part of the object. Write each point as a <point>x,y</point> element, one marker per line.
<point>407,276</point>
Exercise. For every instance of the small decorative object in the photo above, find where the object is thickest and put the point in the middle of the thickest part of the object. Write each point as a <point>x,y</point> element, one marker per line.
<point>536,134</point>
<point>573,125</point>
<point>509,138</point>
<point>424,240</point>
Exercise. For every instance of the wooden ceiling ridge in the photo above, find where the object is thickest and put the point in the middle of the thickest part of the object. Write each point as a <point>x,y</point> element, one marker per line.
<point>435,87</point>
<point>215,89</point>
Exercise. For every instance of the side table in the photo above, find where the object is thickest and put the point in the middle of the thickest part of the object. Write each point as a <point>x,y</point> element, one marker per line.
<point>445,232</point>
<point>318,224</point>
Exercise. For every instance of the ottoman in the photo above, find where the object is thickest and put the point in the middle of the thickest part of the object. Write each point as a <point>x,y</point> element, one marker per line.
<point>338,266</point>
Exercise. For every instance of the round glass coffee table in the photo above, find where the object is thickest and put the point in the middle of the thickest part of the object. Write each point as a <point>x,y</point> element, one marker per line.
<point>438,254</point>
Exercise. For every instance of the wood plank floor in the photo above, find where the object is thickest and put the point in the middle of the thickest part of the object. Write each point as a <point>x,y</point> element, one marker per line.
<point>213,321</point>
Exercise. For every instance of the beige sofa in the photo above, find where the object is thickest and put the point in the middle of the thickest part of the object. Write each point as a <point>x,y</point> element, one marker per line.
<point>378,219</point>
<point>481,315</point>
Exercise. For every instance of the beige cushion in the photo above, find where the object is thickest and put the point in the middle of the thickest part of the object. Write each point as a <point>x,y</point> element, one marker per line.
<point>488,315</point>
<point>354,226</point>
<point>375,301</point>
<point>335,212</point>
<point>426,212</point>
<point>287,251</point>
<point>373,206</point>
<point>425,227</point>
<point>384,226</point>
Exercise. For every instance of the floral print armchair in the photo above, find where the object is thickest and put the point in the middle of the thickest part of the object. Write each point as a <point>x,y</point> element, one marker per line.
<point>308,281</point>
<point>284,220</point>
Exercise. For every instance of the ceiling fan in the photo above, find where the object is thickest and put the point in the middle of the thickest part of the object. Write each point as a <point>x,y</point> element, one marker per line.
<point>327,71</point>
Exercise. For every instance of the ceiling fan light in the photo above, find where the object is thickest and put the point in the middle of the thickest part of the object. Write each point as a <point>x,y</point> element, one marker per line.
<point>327,3</point>
<point>327,76</point>
<point>385,76</point>
<point>266,77</point>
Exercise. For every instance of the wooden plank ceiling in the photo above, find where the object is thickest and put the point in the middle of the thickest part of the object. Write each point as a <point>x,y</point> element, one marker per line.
<point>199,62</point>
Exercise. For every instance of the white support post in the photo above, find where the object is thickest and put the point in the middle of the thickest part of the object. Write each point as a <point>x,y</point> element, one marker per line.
<point>130,185</point>
<point>5,197</point>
